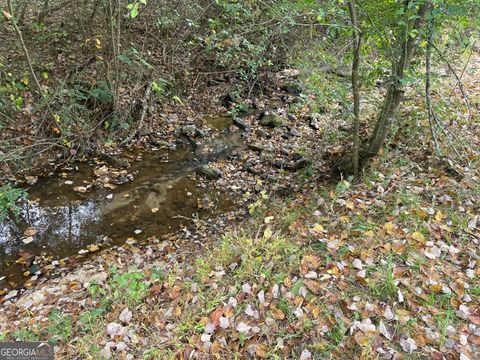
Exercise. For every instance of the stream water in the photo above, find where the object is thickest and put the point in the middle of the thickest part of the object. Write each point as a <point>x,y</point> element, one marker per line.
<point>67,221</point>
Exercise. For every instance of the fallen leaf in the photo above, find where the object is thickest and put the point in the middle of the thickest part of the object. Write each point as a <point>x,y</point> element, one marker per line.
<point>30,232</point>
<point>313,286</point>
<point>243,328</point>
<point>93,247</point>
<point>27,240</point>
<point>267,234</point>
<point>7,15</point>
<point>261,350</point>
<point>408,345</point>
<point>277,314</point>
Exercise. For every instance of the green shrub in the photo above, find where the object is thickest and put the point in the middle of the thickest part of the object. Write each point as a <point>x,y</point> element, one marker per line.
<point>9,199</point>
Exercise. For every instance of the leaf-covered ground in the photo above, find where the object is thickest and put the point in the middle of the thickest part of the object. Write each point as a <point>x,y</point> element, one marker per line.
<point>388,268</point>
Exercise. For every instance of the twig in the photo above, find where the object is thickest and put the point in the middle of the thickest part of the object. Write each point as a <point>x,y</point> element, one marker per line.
<point>459,82</point>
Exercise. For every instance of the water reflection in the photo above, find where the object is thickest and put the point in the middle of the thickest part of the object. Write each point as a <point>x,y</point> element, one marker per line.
<point>67,221</point>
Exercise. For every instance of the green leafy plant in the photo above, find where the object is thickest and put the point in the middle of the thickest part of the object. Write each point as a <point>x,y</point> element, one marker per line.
<point>60,328</point>
<point>9,201</point>
<point>129,287</point>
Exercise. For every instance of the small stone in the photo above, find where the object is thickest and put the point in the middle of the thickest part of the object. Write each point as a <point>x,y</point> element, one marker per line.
<point>294,132</point>
<point>209,172</point>
<point>240,124</point>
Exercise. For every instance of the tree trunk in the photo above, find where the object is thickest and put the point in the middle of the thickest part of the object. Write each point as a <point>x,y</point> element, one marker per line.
<point>406,47</point>
<point>357,38</point>
<point>395,90</point>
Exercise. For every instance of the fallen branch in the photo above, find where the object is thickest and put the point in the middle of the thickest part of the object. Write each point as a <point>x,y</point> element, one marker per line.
<point>138,130</point>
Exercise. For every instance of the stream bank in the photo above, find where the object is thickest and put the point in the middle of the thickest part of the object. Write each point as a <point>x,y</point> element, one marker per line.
<point>203,168</point>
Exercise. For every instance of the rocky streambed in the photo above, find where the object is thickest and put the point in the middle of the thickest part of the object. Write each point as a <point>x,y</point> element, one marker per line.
<point>208,167</point>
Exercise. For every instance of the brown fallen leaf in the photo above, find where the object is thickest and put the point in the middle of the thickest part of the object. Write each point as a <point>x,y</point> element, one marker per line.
<point>277,314</point>
<point>474,319</point>
<point>309,262</point>
<point>30,232</point>
<point>474,340</point>
<point>313,286</point>
<point>261,350</point>
<point>216,347</point>
<point>31,179</point>
<point>7,15</point>
<point>215,316</point>
<point>93,248</point>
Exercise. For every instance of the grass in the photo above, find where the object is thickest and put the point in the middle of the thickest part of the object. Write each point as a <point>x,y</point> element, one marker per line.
<point>443,321</point>
<point>385,288</point>
<point>262,256</point>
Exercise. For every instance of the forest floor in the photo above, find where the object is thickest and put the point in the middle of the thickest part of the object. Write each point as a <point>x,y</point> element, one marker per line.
<point>312,268</point>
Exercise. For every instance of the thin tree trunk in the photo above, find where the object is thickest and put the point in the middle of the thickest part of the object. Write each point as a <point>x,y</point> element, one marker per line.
<point>357,38</point>
<point>394,96</point>
<point>428,97</point>
<point>43,12</point>
<point>27,56</point>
